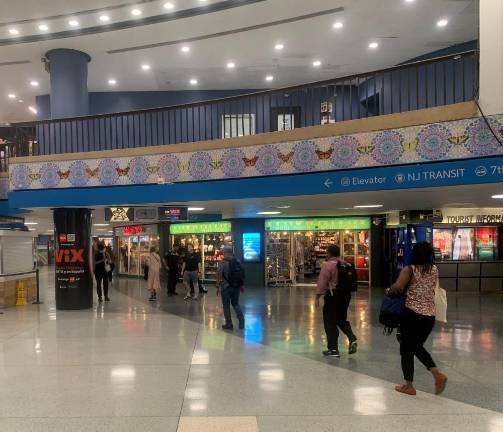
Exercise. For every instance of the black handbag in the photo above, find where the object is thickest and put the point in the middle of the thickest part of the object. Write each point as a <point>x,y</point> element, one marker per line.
<point>393,309</point>
<point>145,272</point>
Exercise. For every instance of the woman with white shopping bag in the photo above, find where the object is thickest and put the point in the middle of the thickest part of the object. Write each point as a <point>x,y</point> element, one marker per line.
<point>419,282</point>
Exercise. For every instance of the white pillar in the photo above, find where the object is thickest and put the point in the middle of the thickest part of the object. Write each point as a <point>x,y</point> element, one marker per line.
<point>491,56</point>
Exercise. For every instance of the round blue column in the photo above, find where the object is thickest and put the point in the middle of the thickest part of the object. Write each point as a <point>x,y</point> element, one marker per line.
<point>68,71</point>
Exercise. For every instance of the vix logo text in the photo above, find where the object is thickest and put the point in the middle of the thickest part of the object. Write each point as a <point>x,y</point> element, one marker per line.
<point>70,256</point>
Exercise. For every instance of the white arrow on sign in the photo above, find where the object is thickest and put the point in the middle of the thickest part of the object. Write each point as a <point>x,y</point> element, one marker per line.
<point>328,183</point>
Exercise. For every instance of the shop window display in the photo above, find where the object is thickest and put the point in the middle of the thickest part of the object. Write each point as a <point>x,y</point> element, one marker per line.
<point>133,251</point>
<point>465,243</point>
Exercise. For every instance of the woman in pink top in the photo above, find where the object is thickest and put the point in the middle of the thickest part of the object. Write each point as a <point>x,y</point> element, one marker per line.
<point>418,281</point>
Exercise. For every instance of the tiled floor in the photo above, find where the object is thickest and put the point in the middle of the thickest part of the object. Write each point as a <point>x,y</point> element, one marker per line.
<point>131,365</point>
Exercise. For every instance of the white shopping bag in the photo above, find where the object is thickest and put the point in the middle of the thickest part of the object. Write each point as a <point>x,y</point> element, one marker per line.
<point>440,304</point>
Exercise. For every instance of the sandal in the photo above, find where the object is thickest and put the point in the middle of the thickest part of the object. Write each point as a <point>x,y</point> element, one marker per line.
<point>440,383</point>
<point>411,391</point>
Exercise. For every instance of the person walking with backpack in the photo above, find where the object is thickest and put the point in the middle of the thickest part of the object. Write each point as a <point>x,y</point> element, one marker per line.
<point>230,282</point>
<point>336,282</point>
<point>418,282</point>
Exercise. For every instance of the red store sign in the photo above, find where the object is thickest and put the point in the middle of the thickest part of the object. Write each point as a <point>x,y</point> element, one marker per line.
<point>129,230</point>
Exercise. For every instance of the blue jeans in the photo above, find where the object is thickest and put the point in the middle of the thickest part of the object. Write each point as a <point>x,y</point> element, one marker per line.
<point>230,296</point>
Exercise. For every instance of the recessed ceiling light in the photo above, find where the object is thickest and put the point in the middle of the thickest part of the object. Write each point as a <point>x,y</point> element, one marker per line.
<point>101,224</point>
<point>14,31</point>
<point>196,208</point>
<point>279,47</point>
<point>136,12</point>
<point>11,96</point>
<point>193,81</point>
<point>73,23</point>
<point>498,196</point>
<point>33,110</point>
<point>368,206</point>
<point>269,78</point>
<point>283,206</point>
<point>269,213</point>
<point>145,67</point>
<point>43,27</point>
<point>338,25</point>
<point>185,49</point>
<point>34,83</point>
<point>20,100</point>
<point>410,1</point>
<point>31,223</point>
<point>317,63</point>
<point>373,45</point>
<point>104,18</point>
<point>442,23</point>
<point>112,81</point>
<point>231,65</point>
<point>169,6</point>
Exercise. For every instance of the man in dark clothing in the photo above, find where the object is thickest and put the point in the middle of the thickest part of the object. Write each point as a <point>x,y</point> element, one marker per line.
<point>191,271</point>
<point>335,308</point>
<point>230,291</point>
<point>172,264</point>
<point>101,260</point>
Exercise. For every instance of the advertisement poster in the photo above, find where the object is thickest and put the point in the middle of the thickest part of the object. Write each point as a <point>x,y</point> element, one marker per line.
<point>251,247</point>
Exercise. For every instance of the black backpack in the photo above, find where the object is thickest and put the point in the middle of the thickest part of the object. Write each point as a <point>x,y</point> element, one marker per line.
<point>236,276</point>
<point>347,277</point>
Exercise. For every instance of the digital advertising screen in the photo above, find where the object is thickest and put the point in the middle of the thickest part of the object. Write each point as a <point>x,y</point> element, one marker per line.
<point>252,251</point>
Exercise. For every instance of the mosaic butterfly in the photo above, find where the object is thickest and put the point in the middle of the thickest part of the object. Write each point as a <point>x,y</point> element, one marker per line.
<point>322,155</point>
<point>63,175</point>
<point>153,169</point>
<point>92,172</point>
<point>35,176</point>
<point>216,164</point>
<point>458,140</point>
<point>122,171</point>
<point>286,157</point>
<point>410,145</point>
<point>366,148</point>
<point>184,167</point>
<point>250,162</point>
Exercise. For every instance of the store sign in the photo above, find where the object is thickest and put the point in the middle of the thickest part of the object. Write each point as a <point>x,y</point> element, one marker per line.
<point>252,250</point>
<point>119,214</point>
<point>173,214</point>
<point>201,228</point>
<point>145,214</point>
<point>468,216</point>
<point>131,230</point>
<point>318,224</point>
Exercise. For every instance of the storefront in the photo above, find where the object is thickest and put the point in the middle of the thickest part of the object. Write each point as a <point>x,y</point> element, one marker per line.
<point>296,248</point>
<point>208,239</point>
<point>468,246</point>
<point>133,246</point>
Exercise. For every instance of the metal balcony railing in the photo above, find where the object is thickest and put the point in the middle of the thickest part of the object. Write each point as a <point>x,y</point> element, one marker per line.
<point>412,86</point>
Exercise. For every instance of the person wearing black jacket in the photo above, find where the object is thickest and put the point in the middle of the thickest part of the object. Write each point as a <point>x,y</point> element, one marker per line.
<point>172,264</point>
<point>101,261</point>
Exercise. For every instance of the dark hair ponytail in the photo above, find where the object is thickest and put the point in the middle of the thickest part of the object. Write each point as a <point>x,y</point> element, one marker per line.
<point>423,256</point>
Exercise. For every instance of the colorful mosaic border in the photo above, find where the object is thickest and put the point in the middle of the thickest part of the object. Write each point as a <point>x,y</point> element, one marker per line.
<point>433,142</point>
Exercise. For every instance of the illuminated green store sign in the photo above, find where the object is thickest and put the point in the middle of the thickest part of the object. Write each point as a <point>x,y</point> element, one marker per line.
<point>200,228</point>
<point>318,224</point>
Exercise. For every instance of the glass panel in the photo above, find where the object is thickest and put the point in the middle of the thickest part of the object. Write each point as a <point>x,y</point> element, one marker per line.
<point>442,244</point>
<point>463,244</point>
<point>486,243</point>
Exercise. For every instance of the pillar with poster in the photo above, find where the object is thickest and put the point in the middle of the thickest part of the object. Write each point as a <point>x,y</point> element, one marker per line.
<point>73,278</point>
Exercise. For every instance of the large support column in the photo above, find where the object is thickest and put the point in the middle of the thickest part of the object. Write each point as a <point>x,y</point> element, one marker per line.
<point>74,277</point>
<point>491,56</point>
<point>69,94</point>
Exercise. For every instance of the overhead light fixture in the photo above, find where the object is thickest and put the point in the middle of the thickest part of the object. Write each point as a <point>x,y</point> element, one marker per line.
<point>11,96</point>
<point>279,47</point>
<point>20,100</point>
<point>14,31</point>
<point>73,23</point>
<point>373,45</point>
<point>112,81</point>
<point>185,49</point>
<point>145,67</point>
<point>193,81</point>
<point>497,196</point>
<point>101,224</point>
<point>104,18</point>
<point>31,223</point>
<point>368,206</point>
<point>410,1</point>
<point>33,110</point>
<point>442,22</point>
<point>231,65</point>
<point>43,27</point>
<point>34,83</point>
<point>317,63</point>
<point>169,6</point>
<point>338,25</point>
<point>269,213</point>
<point>136,12</point>
<point>269,78</point>
<point>196,208</point>
<point>283,207</point>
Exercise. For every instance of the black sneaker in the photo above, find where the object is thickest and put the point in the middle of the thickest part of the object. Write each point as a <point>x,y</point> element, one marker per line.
<point>241,325</point>
<point>100,299</point>
<point>227,327</point>
<point>353,347</point>
<point>332,353</point>
<point>151,298</point>
<point>107,298</point>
